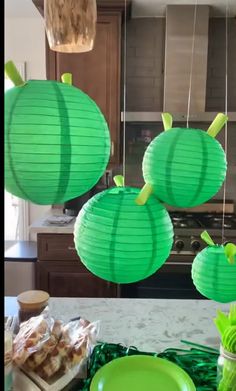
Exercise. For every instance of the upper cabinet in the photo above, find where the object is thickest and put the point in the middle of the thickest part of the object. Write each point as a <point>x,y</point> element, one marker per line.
<point>98,72</point>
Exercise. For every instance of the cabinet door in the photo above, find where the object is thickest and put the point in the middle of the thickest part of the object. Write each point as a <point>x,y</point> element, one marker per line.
<point>56,247</point>
<point>65,279</point>
<point>96,72</point>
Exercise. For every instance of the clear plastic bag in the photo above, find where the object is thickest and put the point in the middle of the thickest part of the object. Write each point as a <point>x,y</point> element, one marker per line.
<point>49,348</point>
<point>77,340</point>
<point>32,335</point>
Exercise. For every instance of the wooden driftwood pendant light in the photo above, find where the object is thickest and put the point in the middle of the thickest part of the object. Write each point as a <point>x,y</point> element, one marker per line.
<point>70,25</point>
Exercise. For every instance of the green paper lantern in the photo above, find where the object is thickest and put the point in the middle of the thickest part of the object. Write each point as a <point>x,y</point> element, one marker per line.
<point>185,167</point>
<point>57,142</point>
<point>214,272</point>
<point>119,241</point>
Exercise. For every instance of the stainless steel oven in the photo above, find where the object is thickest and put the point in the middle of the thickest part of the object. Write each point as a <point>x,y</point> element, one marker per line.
<point>173,279</point>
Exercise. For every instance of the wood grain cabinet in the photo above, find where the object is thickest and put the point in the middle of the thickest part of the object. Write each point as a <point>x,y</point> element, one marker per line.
<point>60,272</point>
<point>98,72</point>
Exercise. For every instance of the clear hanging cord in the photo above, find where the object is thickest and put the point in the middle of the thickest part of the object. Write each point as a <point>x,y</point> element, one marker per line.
<point>226,112</point>
<point>124,93</point>
<point>191,65</point>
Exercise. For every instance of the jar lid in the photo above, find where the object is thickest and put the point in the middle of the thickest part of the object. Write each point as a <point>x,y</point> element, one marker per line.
<point>228,355</point>
<point>32,299</point>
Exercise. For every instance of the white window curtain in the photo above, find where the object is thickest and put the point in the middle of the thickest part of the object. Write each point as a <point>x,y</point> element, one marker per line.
<point>16,210</point>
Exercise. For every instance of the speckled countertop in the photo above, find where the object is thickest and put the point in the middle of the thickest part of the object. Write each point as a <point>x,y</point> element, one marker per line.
<point>149,324</point>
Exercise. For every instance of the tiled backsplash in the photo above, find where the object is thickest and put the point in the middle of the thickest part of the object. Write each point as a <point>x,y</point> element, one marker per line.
<point>145,64</point>
<point>215,97</point>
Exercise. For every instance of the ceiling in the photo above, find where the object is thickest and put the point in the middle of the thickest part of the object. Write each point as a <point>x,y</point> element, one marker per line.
<point>145,8</point>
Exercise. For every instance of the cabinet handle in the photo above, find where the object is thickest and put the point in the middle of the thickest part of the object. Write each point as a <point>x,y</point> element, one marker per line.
<point>71,248</point>
<point>112,148</point>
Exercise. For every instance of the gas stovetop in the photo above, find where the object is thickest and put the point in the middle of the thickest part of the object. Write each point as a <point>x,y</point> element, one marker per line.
<point>203,220</point>
<point>189,226</point>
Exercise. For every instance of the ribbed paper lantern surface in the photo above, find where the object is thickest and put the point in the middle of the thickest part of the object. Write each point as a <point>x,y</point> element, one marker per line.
<point>120,241</point>
<point>57,142</point>
<point>213,275</point>
<point>185,167</point>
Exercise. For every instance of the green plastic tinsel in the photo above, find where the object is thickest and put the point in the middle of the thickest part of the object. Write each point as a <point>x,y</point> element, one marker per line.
<point>200,362</point>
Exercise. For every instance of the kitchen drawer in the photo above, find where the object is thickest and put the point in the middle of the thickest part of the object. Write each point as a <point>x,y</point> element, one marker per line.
<point>56,247</point>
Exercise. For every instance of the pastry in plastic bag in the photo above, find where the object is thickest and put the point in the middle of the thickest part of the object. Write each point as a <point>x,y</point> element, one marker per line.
<point>38,357</point>
<point>32,335</point>
<point>48,347</point>
<point>74,346</point>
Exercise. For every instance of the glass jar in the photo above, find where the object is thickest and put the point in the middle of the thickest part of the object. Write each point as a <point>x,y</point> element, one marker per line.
<point>226,371</point>
<point>31,303</point>
<point>70,25</point>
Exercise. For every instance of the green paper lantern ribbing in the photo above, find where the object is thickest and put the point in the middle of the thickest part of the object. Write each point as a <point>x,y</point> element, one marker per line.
<point>57,142</point>
<point>185,167</point>
<point>214,271</point>
<point>119,241</point>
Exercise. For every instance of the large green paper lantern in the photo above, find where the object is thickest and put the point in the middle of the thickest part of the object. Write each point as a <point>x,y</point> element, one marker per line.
<point>119,241</point>
<point>185,167</point>
<point>214,271</point>
<point>57,142</point>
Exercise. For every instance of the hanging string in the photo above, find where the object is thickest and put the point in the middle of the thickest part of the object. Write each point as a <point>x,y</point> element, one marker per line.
<point>226,112</point>
<point>191,66</point>
<point>124,92</point>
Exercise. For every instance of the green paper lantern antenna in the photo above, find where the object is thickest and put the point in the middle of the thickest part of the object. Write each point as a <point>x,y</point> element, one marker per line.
<point>167,120</point>
<point>66,78</point>
<point>12,73</point>
<point>207,239</point>
<point>144,194</point>
<point>218,123</point>
<point>119,180</point>
<point>230,252</point>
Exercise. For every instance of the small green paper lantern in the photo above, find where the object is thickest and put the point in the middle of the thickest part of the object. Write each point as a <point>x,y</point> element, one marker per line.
<point>185,167</point>
<point>214,271</point>
<point>119,241</point>
<point>57,142</point>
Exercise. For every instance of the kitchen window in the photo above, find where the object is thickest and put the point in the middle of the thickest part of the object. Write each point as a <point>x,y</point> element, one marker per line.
<point>16,210</point>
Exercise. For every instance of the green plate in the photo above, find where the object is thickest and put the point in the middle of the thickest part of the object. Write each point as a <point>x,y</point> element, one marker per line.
<point>141,373</point>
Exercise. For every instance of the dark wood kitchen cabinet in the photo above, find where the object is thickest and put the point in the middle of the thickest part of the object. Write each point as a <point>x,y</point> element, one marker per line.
<point>60,272</point>
<point>98,72</point>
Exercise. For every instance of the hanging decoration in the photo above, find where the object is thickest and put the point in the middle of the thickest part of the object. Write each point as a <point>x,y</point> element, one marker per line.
<point>214,271</point>
<point>119,241</point>
<point>57,142</point>
<point>70,25</point>
<point>185,167</point>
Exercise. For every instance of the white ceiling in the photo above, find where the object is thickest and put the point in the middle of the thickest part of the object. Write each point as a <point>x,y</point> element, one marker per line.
<point>25,8</point>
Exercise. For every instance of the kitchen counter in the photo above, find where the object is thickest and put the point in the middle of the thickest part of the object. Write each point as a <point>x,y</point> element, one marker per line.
<point>41,225</point>
<point>149,324</point>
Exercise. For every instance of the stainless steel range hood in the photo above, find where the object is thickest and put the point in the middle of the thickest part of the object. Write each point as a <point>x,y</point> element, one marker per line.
<point>155,116</point>
<point>186,58</point>
<point>182,59</point>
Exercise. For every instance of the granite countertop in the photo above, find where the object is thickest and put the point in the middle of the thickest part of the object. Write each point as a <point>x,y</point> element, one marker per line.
<point>42,226</point>
<point>149,324</point>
